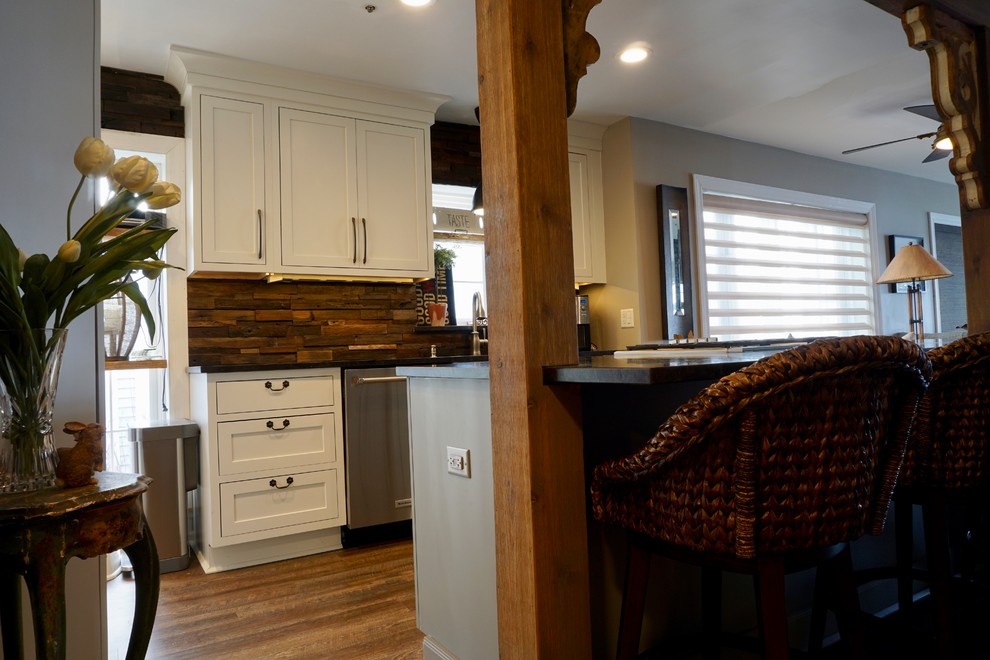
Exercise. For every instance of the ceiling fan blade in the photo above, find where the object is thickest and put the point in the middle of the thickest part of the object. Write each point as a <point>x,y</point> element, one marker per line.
<point>937,154</point>
<point>883,144</point>
<point>928,111</point>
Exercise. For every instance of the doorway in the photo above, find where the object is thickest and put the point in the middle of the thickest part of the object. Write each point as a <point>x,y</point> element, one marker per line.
<point>950,292</point>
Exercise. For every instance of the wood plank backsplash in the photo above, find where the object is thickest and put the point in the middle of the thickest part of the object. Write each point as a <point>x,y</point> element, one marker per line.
<point>236,322</point>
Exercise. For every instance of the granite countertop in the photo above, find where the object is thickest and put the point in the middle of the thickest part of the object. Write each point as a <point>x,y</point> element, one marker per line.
<point>339,364</point>
<point>607,369</point>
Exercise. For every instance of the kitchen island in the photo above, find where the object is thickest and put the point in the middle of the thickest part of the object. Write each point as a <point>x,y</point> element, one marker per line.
<point>623,403</point>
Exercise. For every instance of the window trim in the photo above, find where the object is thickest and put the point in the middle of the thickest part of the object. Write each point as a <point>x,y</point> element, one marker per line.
<point>703,184</point>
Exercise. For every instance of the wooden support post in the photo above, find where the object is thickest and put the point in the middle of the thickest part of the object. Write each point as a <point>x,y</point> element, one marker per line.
<point>956,36</point>
<point>541,540</point>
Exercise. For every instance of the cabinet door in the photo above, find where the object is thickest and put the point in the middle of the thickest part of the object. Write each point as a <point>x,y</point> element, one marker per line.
<point>581,216</point>
<point>233,214</point>
<point>394,229</point>
<point>318,185</point>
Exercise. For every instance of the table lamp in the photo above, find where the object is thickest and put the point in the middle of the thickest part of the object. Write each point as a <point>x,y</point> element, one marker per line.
<point>913,264</point>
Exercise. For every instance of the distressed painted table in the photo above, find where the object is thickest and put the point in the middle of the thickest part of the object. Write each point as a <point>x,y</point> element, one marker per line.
<point>42,530</point>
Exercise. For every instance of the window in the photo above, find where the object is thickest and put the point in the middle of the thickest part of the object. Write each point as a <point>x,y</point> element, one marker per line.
<point>468,271</point>
<point>776,263</point>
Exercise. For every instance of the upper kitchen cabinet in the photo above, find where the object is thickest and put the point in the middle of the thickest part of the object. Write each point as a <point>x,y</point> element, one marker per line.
<point>232,207</point>
<point>584,147</point>
<point>298,174</point>
<point>353,193</point>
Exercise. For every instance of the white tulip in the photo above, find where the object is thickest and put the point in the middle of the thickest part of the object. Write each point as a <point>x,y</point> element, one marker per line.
<point>93,157</point>
<point>135,173</point>
<point>163,195</point>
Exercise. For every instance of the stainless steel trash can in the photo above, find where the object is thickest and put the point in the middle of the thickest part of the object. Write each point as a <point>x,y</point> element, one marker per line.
<point>168,452</point>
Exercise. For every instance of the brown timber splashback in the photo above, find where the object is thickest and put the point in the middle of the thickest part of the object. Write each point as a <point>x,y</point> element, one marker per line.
<point>242,322</point>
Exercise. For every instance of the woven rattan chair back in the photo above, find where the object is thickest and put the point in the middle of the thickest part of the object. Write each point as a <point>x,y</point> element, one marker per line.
<point>950,440</point>
<point>799,450</point>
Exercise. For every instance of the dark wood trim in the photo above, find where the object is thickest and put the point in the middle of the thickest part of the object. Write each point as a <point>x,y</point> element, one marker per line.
<point>540,527</point>
<point>973,12</point>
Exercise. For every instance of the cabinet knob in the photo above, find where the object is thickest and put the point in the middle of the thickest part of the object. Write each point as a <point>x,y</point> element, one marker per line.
<point>274,484</point>
<point>271,424</point>
<point>285,385</point>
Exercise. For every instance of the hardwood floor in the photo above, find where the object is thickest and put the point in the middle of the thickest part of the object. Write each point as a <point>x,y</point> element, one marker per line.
<point>352,603</point>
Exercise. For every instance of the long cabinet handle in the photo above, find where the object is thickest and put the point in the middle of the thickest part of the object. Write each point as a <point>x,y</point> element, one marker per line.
<point>364,227</point>
<point>259,234</point>
<point>364,380</point>
<point>354,230</point>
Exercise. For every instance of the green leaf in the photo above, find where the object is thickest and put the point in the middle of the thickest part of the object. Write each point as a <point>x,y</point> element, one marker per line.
<point>133,291</point>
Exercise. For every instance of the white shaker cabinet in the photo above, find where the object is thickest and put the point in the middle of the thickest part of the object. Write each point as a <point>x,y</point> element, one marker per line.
<point>587,205</point>
<point>271,466</point>
<point>232,204</point>
<point>297,174</point>
<point>354,193</point>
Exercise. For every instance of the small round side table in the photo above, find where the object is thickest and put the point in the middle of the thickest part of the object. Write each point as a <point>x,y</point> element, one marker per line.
<point>40,531</point>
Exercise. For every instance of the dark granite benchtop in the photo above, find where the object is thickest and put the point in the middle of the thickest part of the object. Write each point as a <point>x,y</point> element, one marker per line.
<point>338,364</point>
<point>606,369</point>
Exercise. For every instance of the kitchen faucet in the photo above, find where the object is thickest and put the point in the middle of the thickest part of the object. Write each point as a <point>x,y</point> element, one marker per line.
<point>478,319</point>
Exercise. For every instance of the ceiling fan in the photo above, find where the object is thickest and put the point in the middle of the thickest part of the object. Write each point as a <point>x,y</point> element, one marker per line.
<point>942,147</point>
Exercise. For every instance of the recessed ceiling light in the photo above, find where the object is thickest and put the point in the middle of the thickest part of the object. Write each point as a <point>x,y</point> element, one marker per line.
<point>417,3</point>
<point>634,53</point>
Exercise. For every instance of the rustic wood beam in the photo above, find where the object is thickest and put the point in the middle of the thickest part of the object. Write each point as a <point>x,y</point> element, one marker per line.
<point>971,12</point>
<point>540,528</point>
<point>956,89</point>
<point>580,48</point>
<point>960,70</point>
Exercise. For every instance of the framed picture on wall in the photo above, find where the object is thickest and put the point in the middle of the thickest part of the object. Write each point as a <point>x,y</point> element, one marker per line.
<point>894,245</point>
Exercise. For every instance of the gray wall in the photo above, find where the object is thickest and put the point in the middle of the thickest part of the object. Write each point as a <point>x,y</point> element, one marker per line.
<point>638,155</point>
<point>50,75</point>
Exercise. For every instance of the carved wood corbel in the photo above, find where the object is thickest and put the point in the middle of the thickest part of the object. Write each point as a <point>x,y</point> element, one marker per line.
<point>580,48</point>
<point>953,52</point>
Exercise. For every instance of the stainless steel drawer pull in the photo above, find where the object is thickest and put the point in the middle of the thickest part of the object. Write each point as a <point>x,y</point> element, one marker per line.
<point>274,484</point>
<point>364,380</point>
<point>271,425</point>
<point>285,385</point>
<point>364,228</point>
<point>259,234</point>
<point>354,230</point>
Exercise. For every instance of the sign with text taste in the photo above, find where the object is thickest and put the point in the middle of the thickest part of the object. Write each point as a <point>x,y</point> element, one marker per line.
<point>454,221</point>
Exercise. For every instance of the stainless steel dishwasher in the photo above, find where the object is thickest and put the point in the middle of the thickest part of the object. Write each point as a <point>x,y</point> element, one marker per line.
<point>376,447</point>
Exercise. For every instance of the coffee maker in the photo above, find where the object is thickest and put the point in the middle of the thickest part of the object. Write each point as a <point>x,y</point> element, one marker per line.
<point>583,323</point>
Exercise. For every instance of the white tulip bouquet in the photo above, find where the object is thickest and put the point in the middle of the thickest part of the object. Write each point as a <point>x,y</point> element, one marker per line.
<point>38,292</point>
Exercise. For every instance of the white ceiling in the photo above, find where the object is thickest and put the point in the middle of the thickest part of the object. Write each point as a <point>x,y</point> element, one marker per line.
<point>814,76</point>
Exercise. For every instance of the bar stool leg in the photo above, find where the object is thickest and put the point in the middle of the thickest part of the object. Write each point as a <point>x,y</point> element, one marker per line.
<point>939,571</point>
<point>633,600</point>
<point>711,609</point>
<point>769,583</point>
<point>904,550</point>
<point>144,558</point>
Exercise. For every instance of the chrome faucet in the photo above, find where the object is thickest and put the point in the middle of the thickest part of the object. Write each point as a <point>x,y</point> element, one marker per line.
<point>478,320</point>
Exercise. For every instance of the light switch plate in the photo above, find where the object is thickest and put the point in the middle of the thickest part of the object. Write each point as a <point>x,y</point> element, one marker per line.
<point>626,318</point>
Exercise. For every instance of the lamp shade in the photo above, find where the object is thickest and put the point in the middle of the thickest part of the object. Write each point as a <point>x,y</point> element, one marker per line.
<point>913,263</point>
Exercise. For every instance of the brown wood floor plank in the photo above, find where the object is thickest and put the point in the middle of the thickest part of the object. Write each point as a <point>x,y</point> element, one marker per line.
<point>353,603</point>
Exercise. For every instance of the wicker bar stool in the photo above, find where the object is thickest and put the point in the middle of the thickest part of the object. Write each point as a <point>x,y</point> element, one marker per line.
<point>947,464</point>
<point>772,469</point>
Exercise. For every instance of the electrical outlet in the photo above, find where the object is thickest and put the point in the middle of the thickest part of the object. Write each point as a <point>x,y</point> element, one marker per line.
<point>626,318</point>
<point>459,461</point>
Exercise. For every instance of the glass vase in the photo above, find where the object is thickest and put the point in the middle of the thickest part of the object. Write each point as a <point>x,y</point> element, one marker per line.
<point>29,365</point>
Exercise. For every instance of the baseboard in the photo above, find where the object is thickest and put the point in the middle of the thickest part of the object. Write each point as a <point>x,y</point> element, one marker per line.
<point>432,650</point>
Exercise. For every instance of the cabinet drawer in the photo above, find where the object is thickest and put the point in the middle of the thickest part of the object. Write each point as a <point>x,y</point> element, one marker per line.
<point>275,443</point>
<point>277,393</point>
<point>257,505</point>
